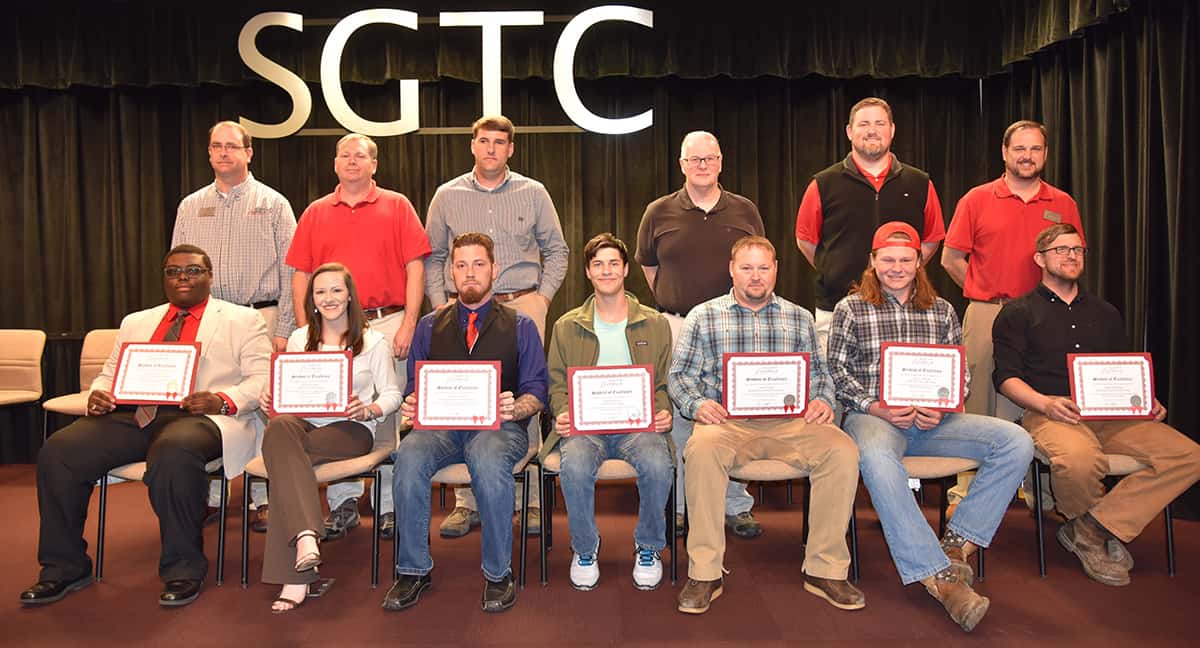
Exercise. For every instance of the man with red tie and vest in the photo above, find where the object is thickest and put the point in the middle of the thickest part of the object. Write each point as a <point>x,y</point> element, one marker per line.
<point>217,419</point>
<point>476,328</point>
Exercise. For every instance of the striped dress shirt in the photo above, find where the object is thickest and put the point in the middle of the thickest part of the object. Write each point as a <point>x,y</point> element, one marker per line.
<point>246,232</point>
<point>860,328</point>
<point>520,218</point>
<point>721,325</point>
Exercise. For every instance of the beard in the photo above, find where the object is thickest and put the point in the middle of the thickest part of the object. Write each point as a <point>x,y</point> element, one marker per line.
<point>1016,172</point>
<point>1066,274</point>
<point>870,149</point>
<point>473,294</point>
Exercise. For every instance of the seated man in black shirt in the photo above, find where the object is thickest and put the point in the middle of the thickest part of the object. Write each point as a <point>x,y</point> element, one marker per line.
<point>1032,337</point>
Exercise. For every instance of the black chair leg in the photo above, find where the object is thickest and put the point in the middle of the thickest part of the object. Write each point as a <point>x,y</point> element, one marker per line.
<point>377,491</point>
<point>1170,541</point>
<point>943,504</point>
<point>246,481</point>
<point>804,519</point>
<point>762,493</point>
<point>672,538</point>
<point>524,479</point>
<point>853,544</point>
<point>547,529</point>
<point>789,492</point>
<point>979,563</point>
<point>1037,516</point>
<point>221,530</point>
<point>100,528</point>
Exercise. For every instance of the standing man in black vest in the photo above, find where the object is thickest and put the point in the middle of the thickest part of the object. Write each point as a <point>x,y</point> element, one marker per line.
<point>844,205</point>
<point>475,328</point>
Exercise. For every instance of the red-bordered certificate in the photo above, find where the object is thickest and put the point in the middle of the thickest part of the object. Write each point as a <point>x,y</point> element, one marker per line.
<point>922,375</point>
<point>457,395</point>
<point>155,373</point>
<point>611,400</point>
<point>765,385</point>
<point>311,383</point>
<point>1112,385</point>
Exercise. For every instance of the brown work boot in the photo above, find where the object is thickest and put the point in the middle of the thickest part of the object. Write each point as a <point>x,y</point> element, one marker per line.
<point>962,603</point>
<point>1085,538</point>
<point>956,549</point>
<point>840,593</point>
<point>697,595</point>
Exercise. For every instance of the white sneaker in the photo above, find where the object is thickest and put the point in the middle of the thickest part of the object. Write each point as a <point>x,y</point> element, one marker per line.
<point>647,569</point>
<point>585,571</point>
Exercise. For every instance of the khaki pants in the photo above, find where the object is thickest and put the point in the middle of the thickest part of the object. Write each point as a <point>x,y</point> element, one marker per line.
<point>1077,465</point>
<point>830,457</point>
<point>536,309</point>
<point>982,399</point>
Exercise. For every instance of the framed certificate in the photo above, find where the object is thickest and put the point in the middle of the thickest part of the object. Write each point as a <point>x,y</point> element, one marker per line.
<point>922,375</point>
<point>311,383</point>
<point>155,373</point>
<point>765,385</point>
<point>1112,385</point>
<point>457,395</point>
<point>611,400</point>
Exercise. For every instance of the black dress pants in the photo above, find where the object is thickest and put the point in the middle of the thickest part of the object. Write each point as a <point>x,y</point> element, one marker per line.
<point>175,447</point>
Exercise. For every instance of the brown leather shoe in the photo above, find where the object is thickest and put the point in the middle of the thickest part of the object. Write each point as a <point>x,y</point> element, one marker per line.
<point>955,548</point>
<point>259,525</point>
<point>697,595</point>
<point>962,603</point>
<point>840,593</point>
<point>1087,540</point>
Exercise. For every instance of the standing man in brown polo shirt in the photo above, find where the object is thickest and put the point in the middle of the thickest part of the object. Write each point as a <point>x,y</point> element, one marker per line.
<point>681,236</point>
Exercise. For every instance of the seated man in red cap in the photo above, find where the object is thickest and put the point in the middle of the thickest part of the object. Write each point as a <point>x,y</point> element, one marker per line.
<point>894,302</point>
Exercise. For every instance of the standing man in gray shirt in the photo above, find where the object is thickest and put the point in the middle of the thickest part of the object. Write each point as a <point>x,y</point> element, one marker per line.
<point>246,228</point>
<point>517,213</point>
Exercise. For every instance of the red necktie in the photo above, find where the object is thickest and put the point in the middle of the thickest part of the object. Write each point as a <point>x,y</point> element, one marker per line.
<point>472,332</point>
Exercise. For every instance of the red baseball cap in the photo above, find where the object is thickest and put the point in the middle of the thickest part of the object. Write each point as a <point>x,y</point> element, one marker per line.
<point>887,230</point>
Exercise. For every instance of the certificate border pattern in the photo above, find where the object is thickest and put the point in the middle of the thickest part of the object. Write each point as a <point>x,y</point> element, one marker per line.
<point>452,422</point>
<point>345,385</point>
<point>903,348</point>
<point>609,372</point>
<point>763,412</point>
<point>191,349</point>
<point>1076,362</point>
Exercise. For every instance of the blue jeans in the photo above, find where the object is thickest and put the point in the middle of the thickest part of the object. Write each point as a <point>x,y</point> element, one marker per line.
<point>737,499</point>
<point>490,457</point>
<point>1002,449</point>
<point>649,455</point>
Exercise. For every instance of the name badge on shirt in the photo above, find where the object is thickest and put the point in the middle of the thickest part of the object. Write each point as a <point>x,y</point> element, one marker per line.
<point>207,212</point>
<point>1053,217</point>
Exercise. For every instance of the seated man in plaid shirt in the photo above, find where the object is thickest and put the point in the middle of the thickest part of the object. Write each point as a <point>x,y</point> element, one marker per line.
<point>894,302</point>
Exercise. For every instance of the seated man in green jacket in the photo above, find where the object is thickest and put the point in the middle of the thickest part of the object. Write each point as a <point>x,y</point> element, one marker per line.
<point>612,328</point>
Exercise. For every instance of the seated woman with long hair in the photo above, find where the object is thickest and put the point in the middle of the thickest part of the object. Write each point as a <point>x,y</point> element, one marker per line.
<point>293,445</point>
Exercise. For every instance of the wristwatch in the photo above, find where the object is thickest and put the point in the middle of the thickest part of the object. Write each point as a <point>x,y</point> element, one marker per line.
<point>224,407</point>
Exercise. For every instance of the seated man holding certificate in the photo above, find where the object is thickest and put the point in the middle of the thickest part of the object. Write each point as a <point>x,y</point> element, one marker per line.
<point>611,330</point>
<point>780,407</point>
<point>1032,337</point>
<point>293,444</point>
<point>226,353</point>
<point>476,373</point>
<point>893,324</point>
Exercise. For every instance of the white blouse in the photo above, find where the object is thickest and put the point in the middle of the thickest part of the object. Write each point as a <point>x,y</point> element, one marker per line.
<point>374,374</point>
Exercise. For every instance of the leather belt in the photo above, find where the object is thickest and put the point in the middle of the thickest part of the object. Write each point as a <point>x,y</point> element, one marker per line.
<point>382,311</point>
<point>502,297</point>
<point>264,304</point>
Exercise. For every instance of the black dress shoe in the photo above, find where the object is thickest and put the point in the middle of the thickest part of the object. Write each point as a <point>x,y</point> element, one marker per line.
<point>49,591</point>
<point>180,592</point>
<point>387,526</point>
<point>405,592</point>
<point>499,596</point>
<point>259,525</point>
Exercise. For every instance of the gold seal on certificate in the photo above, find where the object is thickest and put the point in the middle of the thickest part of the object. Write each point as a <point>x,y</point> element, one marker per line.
<point>762,385</point>
<point>1112,385</point>
<point>456,395</point>
<point>311,383</point>
<point>922,375</point>
<point>611,400</point>
<point>155,373</point>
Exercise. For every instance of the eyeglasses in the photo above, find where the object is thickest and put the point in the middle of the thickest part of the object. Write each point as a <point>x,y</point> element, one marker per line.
<point>696,160</point>
<point>1064,250</point>
<point>191,271</point>
<point>217,147</point>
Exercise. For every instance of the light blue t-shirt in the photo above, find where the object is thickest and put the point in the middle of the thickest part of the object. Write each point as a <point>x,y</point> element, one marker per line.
<point>614,348</point>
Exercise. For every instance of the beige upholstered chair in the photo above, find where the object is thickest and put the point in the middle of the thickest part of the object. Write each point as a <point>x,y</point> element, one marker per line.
<point>611,469</point>
<point>21,366</point>
<point>135,472</point>
<point>97,345</point>
<point>361,467</point>
<point>1119,465</point>
<point>942,469</point>
<point>771,470</point>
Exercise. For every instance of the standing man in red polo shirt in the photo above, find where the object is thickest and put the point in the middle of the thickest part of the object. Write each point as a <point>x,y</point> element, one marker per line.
<point>375,233</point>
<point>989,252</point>
<point>844,204</point>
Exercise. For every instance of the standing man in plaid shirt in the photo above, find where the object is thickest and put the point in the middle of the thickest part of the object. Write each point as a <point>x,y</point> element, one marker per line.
<point>894,302</point>
<point>246,228</point>
<point>753,319</point>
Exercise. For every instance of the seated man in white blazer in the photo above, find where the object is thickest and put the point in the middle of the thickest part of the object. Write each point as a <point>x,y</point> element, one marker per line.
<point>217,419</point>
